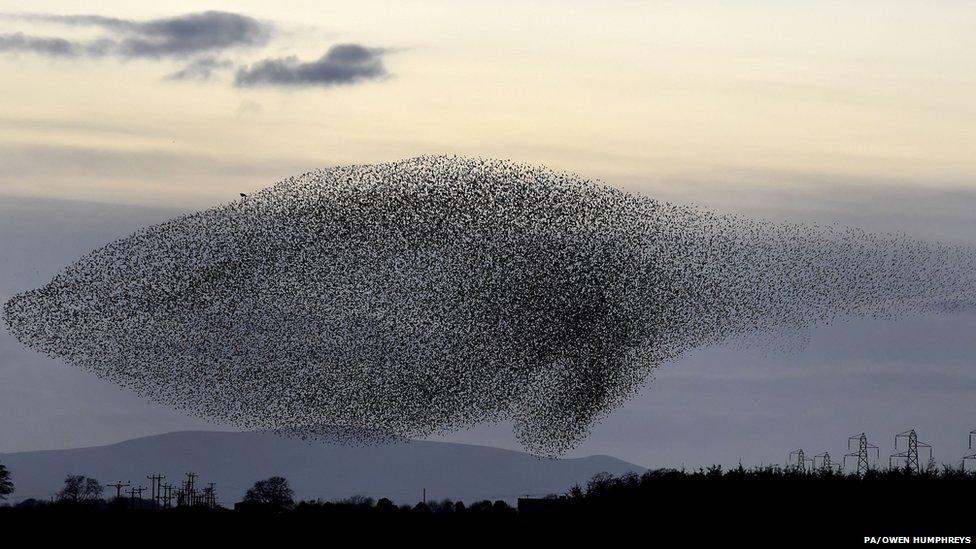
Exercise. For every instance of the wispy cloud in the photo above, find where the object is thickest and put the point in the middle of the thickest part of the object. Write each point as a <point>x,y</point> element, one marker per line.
<point>249,107</point>
<point>341,64</point>
<point>75,20</point>
<point>56,47</point>
<point>179,36</point>
<point>200,69</point>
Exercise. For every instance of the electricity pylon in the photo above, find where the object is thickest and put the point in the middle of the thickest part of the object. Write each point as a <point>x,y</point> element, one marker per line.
<point>825,462</point>
<point>910,455</point>
<point>971,455</point>
<point>862,452</point>
<point>801,460</point>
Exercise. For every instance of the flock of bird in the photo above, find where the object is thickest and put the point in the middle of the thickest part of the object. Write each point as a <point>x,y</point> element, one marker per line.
<point>428,295</point>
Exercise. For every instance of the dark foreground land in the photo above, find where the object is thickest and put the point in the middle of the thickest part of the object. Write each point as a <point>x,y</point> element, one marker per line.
<point>755,507</point>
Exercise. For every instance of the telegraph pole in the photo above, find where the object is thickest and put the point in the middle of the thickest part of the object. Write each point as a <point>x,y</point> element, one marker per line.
<point>191,493</point>
<point>211,496</point>
<point>862,452</point>
<point>118,488</point>
<point>157,485</point>
<point>168,495</point>
<point>133,492</point>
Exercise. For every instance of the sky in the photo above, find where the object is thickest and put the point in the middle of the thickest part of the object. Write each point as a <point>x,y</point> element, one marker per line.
<point>861,113</point>
<point>642,94</point>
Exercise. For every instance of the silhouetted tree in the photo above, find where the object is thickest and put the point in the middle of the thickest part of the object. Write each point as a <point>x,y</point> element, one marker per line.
<point>32,503</point>
<point>274,492</point>
<point>6,485</point>
<point>501,507</point>
<point>480,506</point>
<point>356,501</point>
<point>80,489</point>
<point>445,506</point>
<point>385,506</point>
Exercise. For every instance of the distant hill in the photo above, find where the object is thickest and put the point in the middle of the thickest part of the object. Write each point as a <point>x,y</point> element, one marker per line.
<point>316,470</point>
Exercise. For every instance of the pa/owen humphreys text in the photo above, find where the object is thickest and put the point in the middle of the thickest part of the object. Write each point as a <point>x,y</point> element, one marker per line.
<point>889,540</point>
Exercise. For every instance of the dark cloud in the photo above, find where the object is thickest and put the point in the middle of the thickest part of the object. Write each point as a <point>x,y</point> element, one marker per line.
<point>201,37</point>
<point>342,64</point>
<point>193,33</point>
<point>179,36</point>
<point>48,46</point>
<point>200,69</point>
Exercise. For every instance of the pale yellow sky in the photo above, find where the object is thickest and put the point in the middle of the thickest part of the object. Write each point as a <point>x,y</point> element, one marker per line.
<point>640,94</point>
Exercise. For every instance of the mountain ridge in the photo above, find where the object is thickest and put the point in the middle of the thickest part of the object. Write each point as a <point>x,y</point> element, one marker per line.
<point>234,460</point>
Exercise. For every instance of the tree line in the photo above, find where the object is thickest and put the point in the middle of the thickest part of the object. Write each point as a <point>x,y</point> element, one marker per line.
<point>275,493</point>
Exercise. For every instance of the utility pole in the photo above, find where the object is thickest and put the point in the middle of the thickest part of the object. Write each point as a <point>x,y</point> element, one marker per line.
<point>133,492</point>
<point>862,452</point>
<point>801,460</point>
<point>156,490</point>
<point>167,495</point>
<point>191,492</point>
<point>210,496</point>
<point>118,488</point>
<point>911,454</point>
